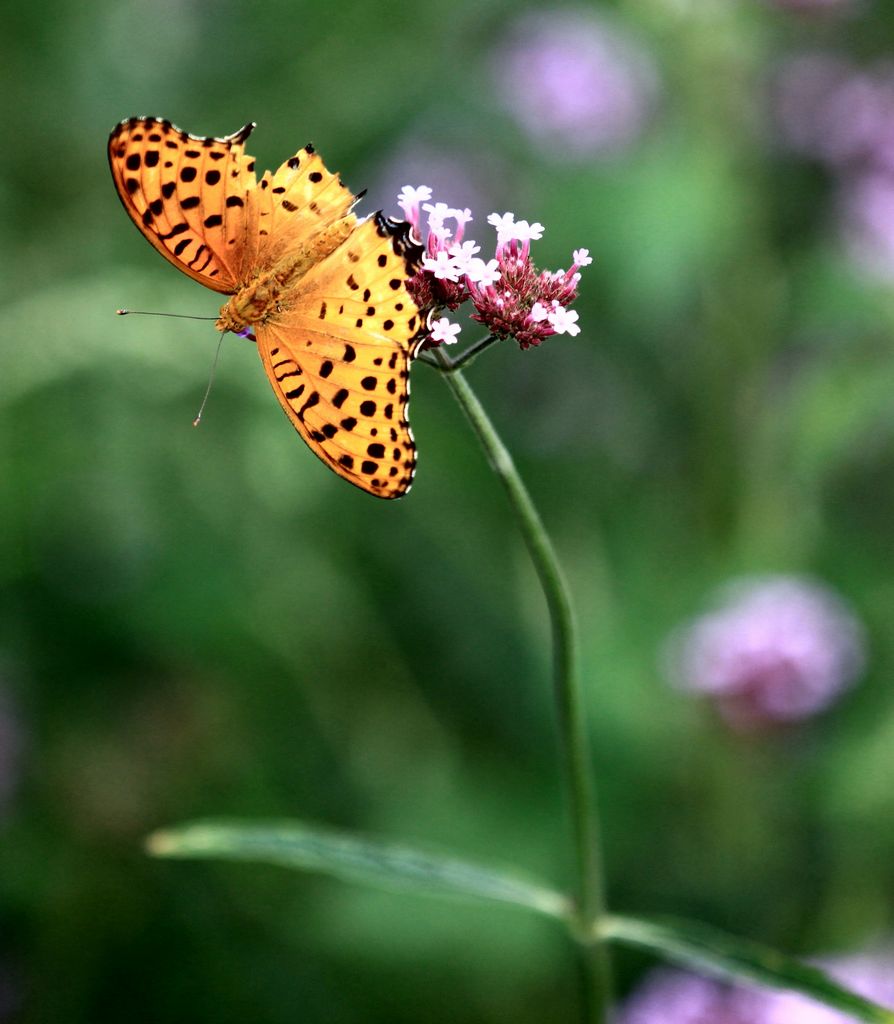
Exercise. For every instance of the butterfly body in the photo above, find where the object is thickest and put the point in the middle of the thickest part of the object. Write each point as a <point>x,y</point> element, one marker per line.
<point>324,292</point>
<point>271,292</point>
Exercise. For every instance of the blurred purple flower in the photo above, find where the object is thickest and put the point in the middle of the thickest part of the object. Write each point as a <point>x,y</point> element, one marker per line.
<point>677,997</point>
<point>575,82</point>
<point>776,649</point>
<point>866,213</point>
<point>11,744</point>
<point>669,996</point>
<point>870,975</point>
<point>828,109</point>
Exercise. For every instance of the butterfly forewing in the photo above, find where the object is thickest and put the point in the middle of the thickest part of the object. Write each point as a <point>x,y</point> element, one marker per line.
<point>187,195</point>
<point>295,203</point>
<point>338,357</point>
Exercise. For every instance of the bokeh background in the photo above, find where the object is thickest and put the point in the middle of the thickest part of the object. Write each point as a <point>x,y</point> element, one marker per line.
<point>206,622</point>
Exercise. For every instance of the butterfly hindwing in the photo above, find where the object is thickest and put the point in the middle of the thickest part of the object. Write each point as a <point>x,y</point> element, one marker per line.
<point>187,195</point>
<point>338,357</point>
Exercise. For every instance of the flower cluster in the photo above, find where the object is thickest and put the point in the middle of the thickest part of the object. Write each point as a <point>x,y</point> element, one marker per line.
<point>669,996</point>
<point>776,649</point>
<point>511,298</point>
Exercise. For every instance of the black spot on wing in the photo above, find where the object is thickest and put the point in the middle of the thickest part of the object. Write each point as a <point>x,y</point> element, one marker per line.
<point>403,241</point>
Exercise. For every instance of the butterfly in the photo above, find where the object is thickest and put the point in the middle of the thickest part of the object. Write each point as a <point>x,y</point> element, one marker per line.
<point>325,294</point>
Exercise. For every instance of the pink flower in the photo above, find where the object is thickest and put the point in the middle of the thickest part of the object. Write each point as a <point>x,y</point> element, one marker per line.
<point>437,214</point>
<point>481,273</point>
<point>505,225</point>
<point>409,200</point>
<point>444,332</point>
<point>442,265</point>
<point>563,321</point>
<point>525,232</point>
<point>462,217</point>
<point>464,255</point>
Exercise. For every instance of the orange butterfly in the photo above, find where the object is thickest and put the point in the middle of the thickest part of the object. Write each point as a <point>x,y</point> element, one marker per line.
<point>325,294</point>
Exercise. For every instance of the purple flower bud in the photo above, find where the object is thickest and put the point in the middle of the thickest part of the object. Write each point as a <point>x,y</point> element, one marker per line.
<point>775,649</point>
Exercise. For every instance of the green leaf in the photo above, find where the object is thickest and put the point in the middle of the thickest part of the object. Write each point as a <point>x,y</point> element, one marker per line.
<point>709,951</point>
<point>355,858</point>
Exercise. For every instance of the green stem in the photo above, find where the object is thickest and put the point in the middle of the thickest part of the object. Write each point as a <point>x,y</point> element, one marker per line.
<point>471,353</point>
<point>448,363</point>
<point>573,737</point>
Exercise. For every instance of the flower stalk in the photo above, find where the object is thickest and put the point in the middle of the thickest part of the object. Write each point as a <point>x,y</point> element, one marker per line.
<point>513,299</point>
<point>575,758</point>
<point>449,364</point>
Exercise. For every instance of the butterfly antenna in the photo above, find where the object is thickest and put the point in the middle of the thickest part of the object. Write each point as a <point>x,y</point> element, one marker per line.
<point>198,418</point>
<point>179,316</point>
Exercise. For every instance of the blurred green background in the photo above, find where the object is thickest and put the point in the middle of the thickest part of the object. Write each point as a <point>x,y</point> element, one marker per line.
<point>206,622</point>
